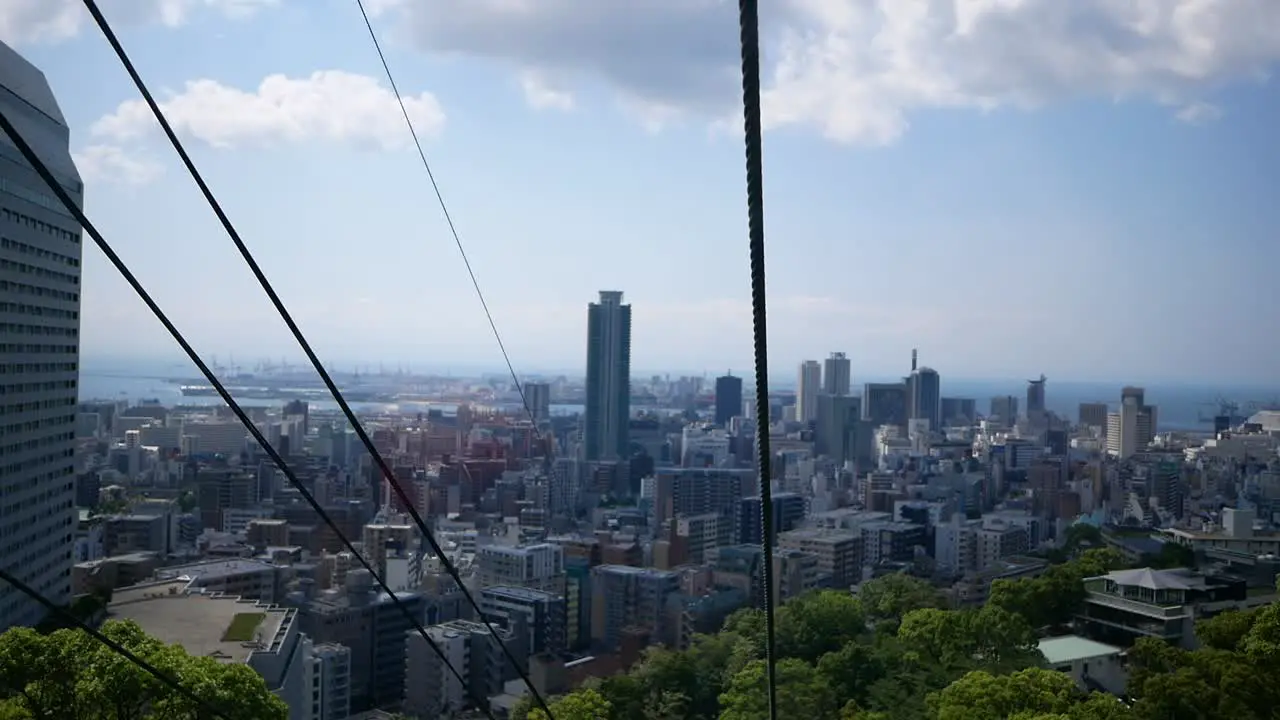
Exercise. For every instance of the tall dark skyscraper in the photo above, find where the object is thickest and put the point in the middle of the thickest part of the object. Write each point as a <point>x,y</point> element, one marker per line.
<point>1035,397</point>
<point>728,398</point>
<point>39,347</point>
<point>538,397</point>
<point>608,411</point>
<point>924,394</point>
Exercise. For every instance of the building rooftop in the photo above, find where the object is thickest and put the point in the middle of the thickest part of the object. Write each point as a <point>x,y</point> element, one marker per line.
<point>830,535</point>
<point>214,569</point>
<point>205,625</point>
<point>1150,579</point>
<point>1070,648</point>
<point>517,593</point>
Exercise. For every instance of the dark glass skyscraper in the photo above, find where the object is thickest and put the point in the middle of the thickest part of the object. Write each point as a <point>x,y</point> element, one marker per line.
<point>608,407</point>
<point>728,398</point>
<point>39,347</point>
<point>925,388</point>
<point>1035,397</point>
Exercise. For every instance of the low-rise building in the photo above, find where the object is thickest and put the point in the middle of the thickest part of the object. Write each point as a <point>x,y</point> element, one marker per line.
<point>1093,665</point>
<point>1125,605</point>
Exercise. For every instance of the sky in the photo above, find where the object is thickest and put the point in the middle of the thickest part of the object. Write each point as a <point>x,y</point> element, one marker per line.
<point>1084,189</point>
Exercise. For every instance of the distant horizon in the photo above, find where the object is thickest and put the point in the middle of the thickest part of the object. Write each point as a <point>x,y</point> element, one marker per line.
<point>99,363</point>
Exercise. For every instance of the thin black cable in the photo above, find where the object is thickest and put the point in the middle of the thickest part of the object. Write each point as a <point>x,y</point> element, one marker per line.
<point>38,165</point>
<point>119,649</point>
<point>749,28</point>
<point>457,239</point>
<point>387,473</point>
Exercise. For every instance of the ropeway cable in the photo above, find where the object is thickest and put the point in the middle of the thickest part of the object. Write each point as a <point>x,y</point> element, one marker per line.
<point>116,647</point>
<point>749,33</point>
<point>41,169</point>
<point>385,469</point>
<point>453,230</point>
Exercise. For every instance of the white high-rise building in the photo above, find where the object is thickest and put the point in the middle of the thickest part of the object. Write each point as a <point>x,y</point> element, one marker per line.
<point>807,388</point>
<point>39,347</point>
<point>835,374</point>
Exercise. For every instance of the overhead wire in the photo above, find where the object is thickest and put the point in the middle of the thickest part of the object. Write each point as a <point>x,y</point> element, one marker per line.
<point>448,218</point>
<point>45,174</point>
<point>749,36</point>
<point>122,651</point>
<point>385,470</point>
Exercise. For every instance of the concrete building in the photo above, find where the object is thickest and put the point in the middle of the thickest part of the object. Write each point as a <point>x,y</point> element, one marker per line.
<point>1093,665</point>
<point>836,374</point>
<point>265,637</point>
<point>839,552</point>
<point>808,387</point>
<point>542,616</point>
<point>1125,605</point>
<point>631,598</point>
<point>537,567</point>
<point>431,690</point>
<point>608,401</point>
<point>40,256</point>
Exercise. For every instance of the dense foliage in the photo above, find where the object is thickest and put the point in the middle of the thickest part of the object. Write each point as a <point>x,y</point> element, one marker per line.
<point>69,675</point>
<point>894,653</point>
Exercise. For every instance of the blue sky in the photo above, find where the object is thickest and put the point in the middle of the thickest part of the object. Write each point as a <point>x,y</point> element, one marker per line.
<point>1083,189</point>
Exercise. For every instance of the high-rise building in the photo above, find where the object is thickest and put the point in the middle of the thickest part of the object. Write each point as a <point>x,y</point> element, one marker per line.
<point>835,374</point>
<point>39,347</point>
<point>608,410</point>
<point>807,390</point>
<point>925,389</point>
<point>884,404</point>
<point>1133,428</point>
<point>1035,398</point>
<point>728,398</point>
<point>537,395</point>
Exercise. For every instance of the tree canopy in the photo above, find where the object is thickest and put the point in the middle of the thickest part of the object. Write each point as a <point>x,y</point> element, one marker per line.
<point>69,675</point>
<point>894,652</point>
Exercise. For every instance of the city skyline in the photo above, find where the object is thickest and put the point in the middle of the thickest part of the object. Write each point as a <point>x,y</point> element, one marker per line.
<point>1005,196</point>
<point>327,538</point>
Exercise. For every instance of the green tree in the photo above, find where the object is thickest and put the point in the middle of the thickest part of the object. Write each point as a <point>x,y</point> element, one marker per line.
<point>1226,631</point>
<point>852,670</point>
<point>1032,694</point>
<point>1168,682</point>
<point>1054,597</point>
<point>888,598</point>
<point>958,638</point>
<point>802,693</point>
<point>187,501</point>
<point>69,674</point>
<point>817,623</point>
<point>1170,555</point>
<point>580,705</point>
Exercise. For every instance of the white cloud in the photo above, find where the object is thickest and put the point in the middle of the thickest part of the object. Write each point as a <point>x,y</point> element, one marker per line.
<point>36,21</point>
<point>1199,113</point>
<point>541,95</point>
<point>328,105</point>
<point>109,163</point>
<point>856,70</point>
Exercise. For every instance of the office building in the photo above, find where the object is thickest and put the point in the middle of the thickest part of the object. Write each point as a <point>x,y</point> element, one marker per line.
<point>1035,397</point>
<point>40,255</point>
<point>884,404</point>
<point>925,389</point>
<point>728,398</point>
<point>835,374</point>
<point>808,386</point>
<point>608,406</point>
<point>1093,414</point>
<point>540,616</point>
<point>537,397</point>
